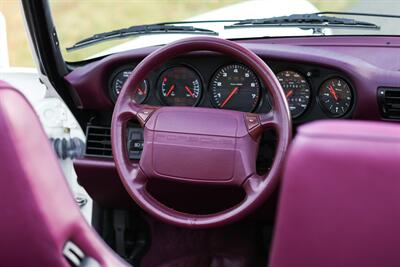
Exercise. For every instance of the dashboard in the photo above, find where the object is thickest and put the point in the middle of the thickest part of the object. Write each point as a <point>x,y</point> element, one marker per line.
<point>218,82</point>
<point>323,78</point>
<point>327,77</point>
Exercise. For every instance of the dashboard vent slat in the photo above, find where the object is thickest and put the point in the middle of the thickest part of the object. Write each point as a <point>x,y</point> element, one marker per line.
<point>389,102</point>
<point>98,141</point>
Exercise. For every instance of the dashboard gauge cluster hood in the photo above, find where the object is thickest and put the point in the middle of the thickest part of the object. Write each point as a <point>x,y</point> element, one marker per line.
<point>353,56</point>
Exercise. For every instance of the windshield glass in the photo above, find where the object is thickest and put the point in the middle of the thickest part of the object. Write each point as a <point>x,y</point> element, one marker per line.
<point>77,20</point>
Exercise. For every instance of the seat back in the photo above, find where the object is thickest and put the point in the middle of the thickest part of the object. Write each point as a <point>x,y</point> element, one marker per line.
<point>340,197</point>
<point>38,213</point>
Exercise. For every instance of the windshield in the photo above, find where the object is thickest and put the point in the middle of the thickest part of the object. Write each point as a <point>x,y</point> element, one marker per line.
<point>77,20</point>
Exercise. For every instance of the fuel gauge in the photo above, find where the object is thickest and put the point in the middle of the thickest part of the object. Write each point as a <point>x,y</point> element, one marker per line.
<point>179,86</point>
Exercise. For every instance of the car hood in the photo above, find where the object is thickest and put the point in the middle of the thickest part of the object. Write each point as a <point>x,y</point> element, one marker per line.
<point>245,10</point>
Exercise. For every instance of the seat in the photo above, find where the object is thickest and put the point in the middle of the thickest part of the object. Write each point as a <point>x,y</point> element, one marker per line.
<point>38,213</point>
<point>340,197</point>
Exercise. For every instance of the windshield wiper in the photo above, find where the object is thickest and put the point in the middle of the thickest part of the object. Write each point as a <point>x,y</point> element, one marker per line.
<point>313,21</point>
<point>358,14</point>
<point>140,30</point>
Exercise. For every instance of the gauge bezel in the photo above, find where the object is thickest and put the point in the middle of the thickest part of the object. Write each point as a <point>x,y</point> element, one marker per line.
<point>185,65</point>
<point>352,101</point>
<point>306,78</point>
<point>111,92</point>
<point>261,86</point>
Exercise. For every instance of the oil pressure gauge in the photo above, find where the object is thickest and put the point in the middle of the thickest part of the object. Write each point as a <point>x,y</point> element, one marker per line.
<point>335,97</point>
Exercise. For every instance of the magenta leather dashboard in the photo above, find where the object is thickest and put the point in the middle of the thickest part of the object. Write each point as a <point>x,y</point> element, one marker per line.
<point>366,63</point>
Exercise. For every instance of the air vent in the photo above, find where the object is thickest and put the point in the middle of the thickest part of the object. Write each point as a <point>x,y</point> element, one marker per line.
<point>389,102</point>
<point>98,141</point>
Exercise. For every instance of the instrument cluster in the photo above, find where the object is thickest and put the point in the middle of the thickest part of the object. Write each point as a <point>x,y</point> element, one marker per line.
<point>236,86</point>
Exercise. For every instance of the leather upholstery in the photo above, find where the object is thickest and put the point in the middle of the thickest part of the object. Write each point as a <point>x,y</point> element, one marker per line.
<point>340,198</point>
<point>38,213</point>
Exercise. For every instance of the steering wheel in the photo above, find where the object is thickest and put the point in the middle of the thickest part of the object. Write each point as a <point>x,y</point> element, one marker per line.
<point>223,143</point>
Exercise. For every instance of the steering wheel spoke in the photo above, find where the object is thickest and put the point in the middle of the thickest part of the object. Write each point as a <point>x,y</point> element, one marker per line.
<point>269,120</point>
<point>128,111</point>
<point>138,178</point>
<point>251,185</point>
<point>145,113</point>
<point>257,123</point>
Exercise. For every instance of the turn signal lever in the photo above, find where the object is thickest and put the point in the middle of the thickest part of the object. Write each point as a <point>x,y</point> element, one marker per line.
<point>68,148</point>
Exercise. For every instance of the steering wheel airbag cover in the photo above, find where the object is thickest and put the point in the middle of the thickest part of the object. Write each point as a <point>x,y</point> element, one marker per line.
<point>198,144</point>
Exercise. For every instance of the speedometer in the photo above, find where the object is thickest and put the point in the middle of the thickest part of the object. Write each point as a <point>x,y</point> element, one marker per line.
<point>297,91</point>
<point>235,87</point>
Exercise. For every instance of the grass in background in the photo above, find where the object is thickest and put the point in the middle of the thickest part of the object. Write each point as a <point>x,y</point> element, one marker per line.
<point>77,19</point>
<point>333,5</point>
<point>99,16</point>
<point>19,52</point>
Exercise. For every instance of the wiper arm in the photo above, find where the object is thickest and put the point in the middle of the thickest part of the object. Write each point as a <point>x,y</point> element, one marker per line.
<point>140,30</point>
<point>304,21</point>
<point>358,14</point>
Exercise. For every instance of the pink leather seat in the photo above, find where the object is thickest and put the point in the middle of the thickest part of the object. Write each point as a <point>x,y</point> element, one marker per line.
<point>38,213</point>
<point>340,198</point>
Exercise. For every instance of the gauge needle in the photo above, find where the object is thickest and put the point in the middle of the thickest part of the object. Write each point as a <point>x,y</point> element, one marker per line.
<point>140,90</point>
<point>170,90</point>
<point>234,91</point>
<point>189,91</point>
<point>289,93</point>
<point>333,92</point>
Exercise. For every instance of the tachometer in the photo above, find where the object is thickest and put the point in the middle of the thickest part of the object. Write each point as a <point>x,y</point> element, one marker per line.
<point>235,87</point>
<point>139,93</point>
<point>335,97</point>
<point>297,91</point>
<point>180,86</point>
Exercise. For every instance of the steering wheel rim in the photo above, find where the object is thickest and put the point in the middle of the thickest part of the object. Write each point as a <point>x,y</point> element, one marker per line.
<point>134,176</point>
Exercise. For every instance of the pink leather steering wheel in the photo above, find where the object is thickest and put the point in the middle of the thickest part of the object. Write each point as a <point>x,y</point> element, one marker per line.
<point>223,143</point>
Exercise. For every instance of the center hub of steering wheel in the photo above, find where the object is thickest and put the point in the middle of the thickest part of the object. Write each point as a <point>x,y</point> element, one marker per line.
<point>199,145</point>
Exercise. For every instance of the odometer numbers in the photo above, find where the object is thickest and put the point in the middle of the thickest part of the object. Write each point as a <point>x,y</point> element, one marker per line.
<point>297,91</point>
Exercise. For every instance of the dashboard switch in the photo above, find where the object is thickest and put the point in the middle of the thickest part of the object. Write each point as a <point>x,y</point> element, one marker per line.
<point>135,143</point>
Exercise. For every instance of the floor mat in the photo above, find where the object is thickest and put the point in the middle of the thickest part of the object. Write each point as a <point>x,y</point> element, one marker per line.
<point>235,245</point>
